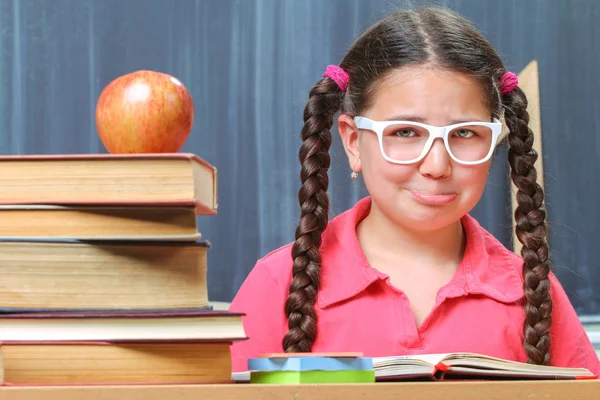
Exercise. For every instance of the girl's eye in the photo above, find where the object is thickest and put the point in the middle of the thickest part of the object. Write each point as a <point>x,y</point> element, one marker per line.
<point>464,133</point>
<point>405,133</point>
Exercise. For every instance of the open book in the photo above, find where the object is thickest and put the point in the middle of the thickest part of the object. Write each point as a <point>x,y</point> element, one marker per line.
<point>468,365</point>
<point>451,366</point>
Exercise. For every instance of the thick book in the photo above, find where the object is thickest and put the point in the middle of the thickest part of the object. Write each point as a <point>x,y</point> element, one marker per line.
<point>108,274</point>
<point>98,223</point>
<point>468,366</point>
<point>122,326</point>
<point>104,363</point>
<point>176,179</point>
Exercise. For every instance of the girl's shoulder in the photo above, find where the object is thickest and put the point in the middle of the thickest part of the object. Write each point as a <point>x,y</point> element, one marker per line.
<point>278,263</point>
<point>338,240</point>
<point>499,255</point>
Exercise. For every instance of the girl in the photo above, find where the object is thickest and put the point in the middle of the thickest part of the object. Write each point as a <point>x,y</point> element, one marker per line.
<point>407,270</point>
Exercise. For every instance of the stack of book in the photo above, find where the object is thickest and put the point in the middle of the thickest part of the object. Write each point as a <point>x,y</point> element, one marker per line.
<point>104,272</point>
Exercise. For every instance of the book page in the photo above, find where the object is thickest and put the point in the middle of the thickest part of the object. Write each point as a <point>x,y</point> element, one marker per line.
<point>415,359</point>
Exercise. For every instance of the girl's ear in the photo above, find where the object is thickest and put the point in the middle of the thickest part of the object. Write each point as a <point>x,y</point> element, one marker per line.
<point>349,135</point>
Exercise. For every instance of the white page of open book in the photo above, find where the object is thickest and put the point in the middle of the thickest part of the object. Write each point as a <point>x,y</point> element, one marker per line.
<point>416,359</point>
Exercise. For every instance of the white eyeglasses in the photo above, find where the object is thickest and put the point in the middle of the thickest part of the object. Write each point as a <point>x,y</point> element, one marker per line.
<point>407,142</point>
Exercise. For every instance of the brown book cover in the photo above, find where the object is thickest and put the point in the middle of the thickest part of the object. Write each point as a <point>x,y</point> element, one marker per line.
<point>175,179</point>
<point>129,314</point>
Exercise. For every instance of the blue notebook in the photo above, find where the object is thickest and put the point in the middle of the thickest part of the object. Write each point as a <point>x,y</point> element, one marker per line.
<point>310,364</point>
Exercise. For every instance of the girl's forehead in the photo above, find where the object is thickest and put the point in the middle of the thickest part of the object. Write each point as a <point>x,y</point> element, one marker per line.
<point>431,94</point>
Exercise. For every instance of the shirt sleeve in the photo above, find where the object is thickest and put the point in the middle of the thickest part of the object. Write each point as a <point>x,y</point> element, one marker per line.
<point>570,345</point>
<point>261,298</point>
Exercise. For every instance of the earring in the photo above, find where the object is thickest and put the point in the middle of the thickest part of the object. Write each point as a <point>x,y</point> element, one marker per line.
<point>354,175</point>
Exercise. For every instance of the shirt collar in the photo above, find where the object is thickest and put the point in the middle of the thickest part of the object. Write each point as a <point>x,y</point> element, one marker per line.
<point>487,268</point>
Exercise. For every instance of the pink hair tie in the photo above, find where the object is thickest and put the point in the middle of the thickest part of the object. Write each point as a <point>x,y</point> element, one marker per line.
<point>508,82</point>
<point>338,75</point>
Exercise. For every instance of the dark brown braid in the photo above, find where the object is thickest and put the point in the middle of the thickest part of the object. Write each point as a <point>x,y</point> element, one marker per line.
<point>531,229</point>
<point>324,102</point>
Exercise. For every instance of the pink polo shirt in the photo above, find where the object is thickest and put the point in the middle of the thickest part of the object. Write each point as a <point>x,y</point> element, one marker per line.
<point>480,310</point>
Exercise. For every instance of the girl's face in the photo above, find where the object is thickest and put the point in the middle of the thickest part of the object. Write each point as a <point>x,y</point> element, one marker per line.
<point>436,191</point>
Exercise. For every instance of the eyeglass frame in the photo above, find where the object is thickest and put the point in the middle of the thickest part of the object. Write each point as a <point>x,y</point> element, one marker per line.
<point>434,132</point>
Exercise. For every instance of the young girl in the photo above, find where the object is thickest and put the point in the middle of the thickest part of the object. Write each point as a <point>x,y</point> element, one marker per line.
<point>407,270</point>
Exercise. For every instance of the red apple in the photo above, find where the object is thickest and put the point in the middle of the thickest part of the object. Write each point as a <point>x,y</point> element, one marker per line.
<point>144,112</point>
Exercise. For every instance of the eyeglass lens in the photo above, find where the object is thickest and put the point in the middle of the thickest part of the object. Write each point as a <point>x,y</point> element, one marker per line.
<point>405,142</point>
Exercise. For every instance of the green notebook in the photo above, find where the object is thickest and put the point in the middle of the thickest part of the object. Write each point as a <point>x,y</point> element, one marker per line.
<point>297,377</point>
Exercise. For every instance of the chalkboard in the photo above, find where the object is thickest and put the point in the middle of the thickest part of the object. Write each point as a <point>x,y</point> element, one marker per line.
<point>249,66</point>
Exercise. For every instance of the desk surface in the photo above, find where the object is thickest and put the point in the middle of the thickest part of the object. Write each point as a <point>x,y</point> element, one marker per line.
<point>512,390</point>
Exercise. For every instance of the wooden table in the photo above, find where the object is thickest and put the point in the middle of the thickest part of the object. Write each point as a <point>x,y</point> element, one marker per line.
<point>478,390</point>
